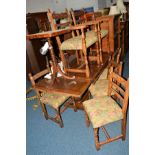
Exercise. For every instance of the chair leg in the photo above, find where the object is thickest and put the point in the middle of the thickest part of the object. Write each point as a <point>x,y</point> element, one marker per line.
<point>87,119</point>
<point>89,95</point>
<point>44,110</point>
<point>77,57</point>
<point>108,43</point>
<point>63,60</point>
<point>86,63</point>
<point>60,119</point>
<point>81,56</point>
<point>96,137</point>
<point>98,53</point>
<point>100,44</point>
<point>124,128</point>
<point>74,105</point>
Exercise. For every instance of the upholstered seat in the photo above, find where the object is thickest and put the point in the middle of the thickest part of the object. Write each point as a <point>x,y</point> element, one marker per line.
<point>102,111</point>
<point>53,99</point>
<point>76,42</point>
<point>100,88</point>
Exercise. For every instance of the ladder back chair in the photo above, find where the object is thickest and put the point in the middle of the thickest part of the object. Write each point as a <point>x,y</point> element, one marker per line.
<point>114,61</point>
<point>76,43</point>
<point>100,87</point>
<point>102,33</point>
<point>58,102</point>
<point>79,17</point>
<point>104,110</point>
<point>61,21</point>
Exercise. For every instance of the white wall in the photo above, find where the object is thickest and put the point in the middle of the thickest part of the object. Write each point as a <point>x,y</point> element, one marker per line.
<point>37,5</point>
<point>44,5</point>
<point>58,5</point>
<point>101,4</point>
<point>78,4</point>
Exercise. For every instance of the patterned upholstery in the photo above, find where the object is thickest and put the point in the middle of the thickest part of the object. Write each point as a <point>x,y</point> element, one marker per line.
<point>75,43</point>
<point>104,74</point>
<point>100,88</point>
<point>102,111</point>
<point>54,99</point>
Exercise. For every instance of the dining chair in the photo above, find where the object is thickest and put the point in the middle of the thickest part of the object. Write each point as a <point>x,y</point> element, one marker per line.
<point>80,17</point>
<point>58,102</point>
<point>114,62</point>
<point>100,87</point>
<point>76,43</point>
<point>104,110</point>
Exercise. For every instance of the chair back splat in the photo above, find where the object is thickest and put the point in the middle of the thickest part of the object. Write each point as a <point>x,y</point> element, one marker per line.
<point>59,21</point>
<point>78,17</point>
<point>119,87</point>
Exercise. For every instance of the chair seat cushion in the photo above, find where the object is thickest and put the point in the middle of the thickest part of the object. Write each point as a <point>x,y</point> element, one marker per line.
<point>53,99</point>
<point>75,43</point>
<point>102,111</point>
<point>100,88</point>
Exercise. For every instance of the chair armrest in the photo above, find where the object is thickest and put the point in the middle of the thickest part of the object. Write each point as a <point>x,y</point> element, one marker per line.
<point>40,74</point>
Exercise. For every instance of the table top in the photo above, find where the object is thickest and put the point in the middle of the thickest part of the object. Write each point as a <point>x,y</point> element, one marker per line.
<point>74,88</point>
<point>54,33</point>
<point>48,34</point>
